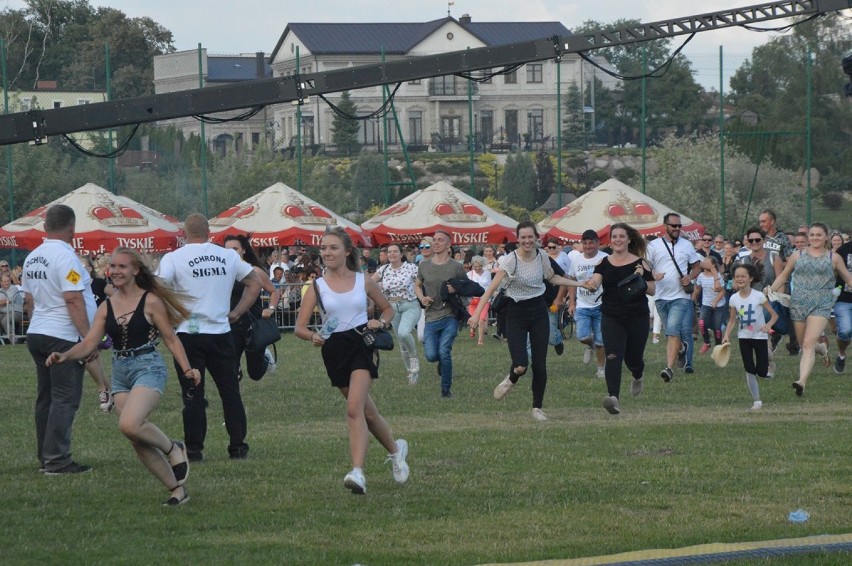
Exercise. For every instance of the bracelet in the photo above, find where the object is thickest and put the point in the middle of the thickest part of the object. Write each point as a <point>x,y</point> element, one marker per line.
<point>187,371</point>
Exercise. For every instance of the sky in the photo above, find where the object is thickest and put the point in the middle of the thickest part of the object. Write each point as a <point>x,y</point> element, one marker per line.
<point>247,26</point>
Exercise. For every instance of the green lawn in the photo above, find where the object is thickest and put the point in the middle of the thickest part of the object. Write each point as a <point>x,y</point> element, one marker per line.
<point>684,464</point>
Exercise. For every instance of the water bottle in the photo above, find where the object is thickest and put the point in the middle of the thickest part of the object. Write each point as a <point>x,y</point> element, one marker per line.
<point>193,324</point>
<point>836,291</point>
<point>328,327</point>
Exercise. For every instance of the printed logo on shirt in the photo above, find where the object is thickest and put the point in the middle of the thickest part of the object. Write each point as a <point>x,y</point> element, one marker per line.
<point>73,277</point>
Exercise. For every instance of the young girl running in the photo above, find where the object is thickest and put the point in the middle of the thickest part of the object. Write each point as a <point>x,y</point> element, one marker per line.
<point>712,304</point>
<point>747,307</point>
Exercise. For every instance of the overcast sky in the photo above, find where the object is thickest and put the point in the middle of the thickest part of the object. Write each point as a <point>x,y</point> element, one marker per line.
<point>246,26</point>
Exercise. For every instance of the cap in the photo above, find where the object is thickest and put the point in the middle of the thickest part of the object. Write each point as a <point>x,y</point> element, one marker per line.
<point>590,235</point>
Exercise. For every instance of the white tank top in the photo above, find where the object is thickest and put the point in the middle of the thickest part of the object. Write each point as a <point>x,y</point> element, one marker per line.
<point>350,308</point>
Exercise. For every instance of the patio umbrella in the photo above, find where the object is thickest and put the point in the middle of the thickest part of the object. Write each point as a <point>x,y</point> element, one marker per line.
<point>281,216</point>
<point>441,206</point>
<point>104,222</point>
<point>607,204</point>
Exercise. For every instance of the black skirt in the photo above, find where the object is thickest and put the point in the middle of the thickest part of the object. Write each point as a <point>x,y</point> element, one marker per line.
<point>345,352</point>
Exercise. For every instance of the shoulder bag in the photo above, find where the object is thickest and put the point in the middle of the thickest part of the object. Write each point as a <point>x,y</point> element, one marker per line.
<point>262,332</point>
<point>689,287</point>
<point>500,300</point>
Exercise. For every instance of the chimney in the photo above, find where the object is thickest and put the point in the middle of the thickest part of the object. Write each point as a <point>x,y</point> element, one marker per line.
<point>260,64</point>
<point>465,19</point>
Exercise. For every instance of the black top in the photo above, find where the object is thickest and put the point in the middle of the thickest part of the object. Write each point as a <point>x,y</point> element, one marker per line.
<point>845,253</point>
<point>256,309</point>
<point>551,290</point>
<point>130,330</point>
<point>99,289</point>
<point>611,302</point>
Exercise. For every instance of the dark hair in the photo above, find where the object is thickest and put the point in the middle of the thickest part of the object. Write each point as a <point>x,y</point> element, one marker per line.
<point>526,224</point>
<point>754,271</point>
<point>668,216</point>
<point>248,253</point>
<point>346,239</point>
<point>636,244</point>
<point>146,279</point>
<point>399,247</point>
<point>769,212</point>
<point>59,218</point>
<point>756,230</point>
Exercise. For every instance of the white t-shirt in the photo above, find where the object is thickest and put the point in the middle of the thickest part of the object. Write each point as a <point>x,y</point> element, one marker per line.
<point>50,270</point>
<point>707,292</point>
<point>750,314</point>
<point>582,269</point>
<point>205,273</point>
<point>282,265</point>
<point>670,288</point>
<point>563,260</point>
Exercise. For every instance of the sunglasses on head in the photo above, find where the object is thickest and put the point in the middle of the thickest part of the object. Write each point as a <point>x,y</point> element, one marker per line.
<point>755,240</point>
<point>425,246</point>
<point>675,225</point>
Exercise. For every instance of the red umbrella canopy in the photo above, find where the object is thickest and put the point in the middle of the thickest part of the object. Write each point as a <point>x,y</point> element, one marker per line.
<point>607,204</point>
<point>441,207</point>
<point>104,222</point>
<point>281,216</point>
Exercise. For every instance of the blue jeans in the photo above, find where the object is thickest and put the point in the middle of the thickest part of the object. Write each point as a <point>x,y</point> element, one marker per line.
<point>588,325</point>
<point>677,316</point>
<point>438,338</point>
<point>713,318</point>
<point>406,315</point>
<point>555,335</point>
<point>843,319</point>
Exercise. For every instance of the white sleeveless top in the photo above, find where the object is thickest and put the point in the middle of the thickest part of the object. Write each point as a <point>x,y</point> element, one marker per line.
<point>350,308</point>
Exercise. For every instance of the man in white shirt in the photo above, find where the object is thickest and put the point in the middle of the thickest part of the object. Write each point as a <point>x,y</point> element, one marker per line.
<point>205,273</point>
<point>584,305</point>
<point>279,259</point>
<point>58,300</point>
<point>675,263</point>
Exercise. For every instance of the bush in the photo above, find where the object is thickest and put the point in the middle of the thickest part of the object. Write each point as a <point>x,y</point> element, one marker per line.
<point>596,177</point>
<point>626,175</point>
<point>832,201</point>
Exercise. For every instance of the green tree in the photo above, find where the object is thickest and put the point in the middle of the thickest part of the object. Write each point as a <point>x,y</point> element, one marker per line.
<point>344,131</point>
<point>773,84</point>
<point>573,122</point>
<point>546,177</point>
<point>518,185</point>
<point>368,180</point>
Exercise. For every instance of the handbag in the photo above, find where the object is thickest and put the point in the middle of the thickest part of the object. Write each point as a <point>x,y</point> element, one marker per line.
<point>379,339</point>
<point>632,288</point>
<point>261,333</point>
<point>500,300</point>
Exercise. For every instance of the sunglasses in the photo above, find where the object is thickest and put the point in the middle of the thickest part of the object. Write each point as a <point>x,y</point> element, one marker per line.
<point>755,240</point>
<point>425,247</point>
<point>707,239</point>
<point>675,225</point>
<point>551,247</point>
<point>4,265</point>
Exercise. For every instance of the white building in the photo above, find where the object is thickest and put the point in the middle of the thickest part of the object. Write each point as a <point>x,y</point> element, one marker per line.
<point>507,109</point>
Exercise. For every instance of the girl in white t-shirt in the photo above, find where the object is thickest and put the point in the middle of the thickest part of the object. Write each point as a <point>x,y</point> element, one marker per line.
<point>753,329</point>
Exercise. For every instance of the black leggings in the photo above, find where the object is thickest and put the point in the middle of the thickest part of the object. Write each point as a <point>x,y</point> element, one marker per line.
<point>529,318</point>
<point>624,341</point>
<point>755,353</point>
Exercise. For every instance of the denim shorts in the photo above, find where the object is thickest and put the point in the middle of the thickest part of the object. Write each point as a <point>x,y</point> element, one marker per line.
<point>588,323</point>
<point>147,370</point>
<point>674,313</point>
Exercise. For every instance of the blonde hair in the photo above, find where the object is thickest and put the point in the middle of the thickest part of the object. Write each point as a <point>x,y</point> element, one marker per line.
<point>145,279</point>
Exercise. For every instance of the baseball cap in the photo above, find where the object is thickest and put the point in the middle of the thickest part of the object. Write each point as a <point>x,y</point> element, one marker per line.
<point>590,235</point>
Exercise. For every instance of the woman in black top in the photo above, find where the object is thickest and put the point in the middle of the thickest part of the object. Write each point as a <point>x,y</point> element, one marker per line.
<point>624,324</point>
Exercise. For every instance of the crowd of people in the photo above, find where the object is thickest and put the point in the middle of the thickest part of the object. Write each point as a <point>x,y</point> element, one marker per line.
<point>201,299</point>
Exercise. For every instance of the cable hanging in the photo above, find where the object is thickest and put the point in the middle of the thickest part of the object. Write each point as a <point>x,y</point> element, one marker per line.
<point>122,147</point>
<point>485,77</point>
<point>655,74</point>
<point>380,112</point>
<point>238,118</point>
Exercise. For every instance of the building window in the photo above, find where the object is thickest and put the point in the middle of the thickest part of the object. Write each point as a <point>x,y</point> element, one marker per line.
<point>535,125</point>
<point>255,139</point>
<point>511,78</point>
<point>57,104</point>
<point>307,130</point>
<point>391,124</point>
<point>414,82</point>
<point>82,101</point>
<point>534,72</point>
<point>26,104</point>
<point>486,126</point>
<point>512,126</point>
<point>484,75</point>
<point>451,129</point>
<point>415,127</point>
<point>445,85</point>
<point>367,135</point>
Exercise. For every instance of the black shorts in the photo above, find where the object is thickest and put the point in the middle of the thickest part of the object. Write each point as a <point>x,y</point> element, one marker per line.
<point>345,352</point>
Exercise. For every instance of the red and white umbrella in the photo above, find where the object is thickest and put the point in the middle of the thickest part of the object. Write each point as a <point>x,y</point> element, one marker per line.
<point>281,216</point>
<point>104,222</point>
<point>441,207</point>
<point>607,204</point>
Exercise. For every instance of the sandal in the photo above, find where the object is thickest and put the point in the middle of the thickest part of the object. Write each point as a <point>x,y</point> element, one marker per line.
<point>175,501</point>
<point>181,469</point>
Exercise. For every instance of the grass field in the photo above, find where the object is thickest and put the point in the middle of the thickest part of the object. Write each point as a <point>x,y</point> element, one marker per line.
<point>684,464</point>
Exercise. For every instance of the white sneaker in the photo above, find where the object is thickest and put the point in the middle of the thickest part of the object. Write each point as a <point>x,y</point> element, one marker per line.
<point>611,405</point>
<point>770,371</point>
<point>355,482</point>
<point>503,388</point>
<point>400,466</point>
<point>636,387</point>
<point>601,373</point>
<point>413,371</point>
<point>587,355</point>
<point>757,406</point>
<point>271,366</point>
<point>655,340</point>
<point>539,415</point>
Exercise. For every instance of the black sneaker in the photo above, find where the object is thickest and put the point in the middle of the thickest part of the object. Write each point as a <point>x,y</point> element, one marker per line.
<point>839,364</point>
<point>559,348</point>
<point>240,453</point>
<point>72,468</point>
<point>446,394</point>
<point>689,369</point>
<point>667,374</point>
<point>775,339</point>
<point>681,356</point>
<point>194,455</point>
